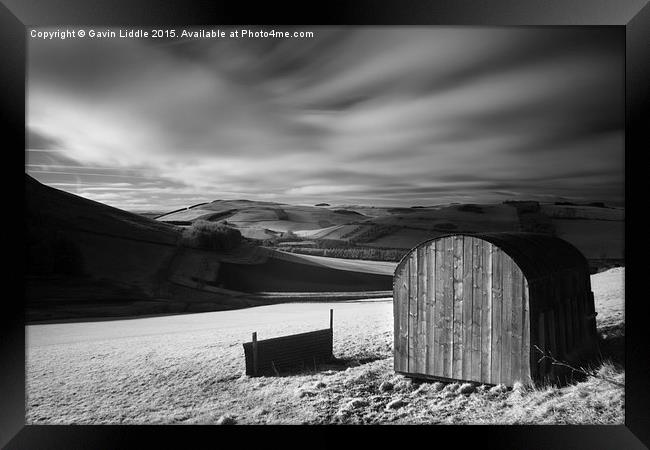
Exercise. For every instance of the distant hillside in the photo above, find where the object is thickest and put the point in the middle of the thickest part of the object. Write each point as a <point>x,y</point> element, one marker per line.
<point>357,231</point>
<point>87,259</point>
<point>263,220</point>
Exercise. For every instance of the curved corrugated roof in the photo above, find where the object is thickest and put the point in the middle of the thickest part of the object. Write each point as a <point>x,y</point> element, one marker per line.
<point>537,255</point>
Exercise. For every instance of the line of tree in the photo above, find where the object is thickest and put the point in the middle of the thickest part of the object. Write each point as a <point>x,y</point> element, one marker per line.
<point>210,235</point>
<point>366,253</point>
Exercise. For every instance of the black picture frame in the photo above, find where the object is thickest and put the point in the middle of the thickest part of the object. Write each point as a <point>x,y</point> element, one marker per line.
<point>632,15</point>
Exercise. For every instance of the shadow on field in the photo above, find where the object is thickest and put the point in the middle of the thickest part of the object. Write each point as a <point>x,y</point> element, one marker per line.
<point>333,365</point>
<point>344,363</point>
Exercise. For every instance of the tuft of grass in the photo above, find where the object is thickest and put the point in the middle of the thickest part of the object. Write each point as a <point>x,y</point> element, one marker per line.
<point>587,371</point>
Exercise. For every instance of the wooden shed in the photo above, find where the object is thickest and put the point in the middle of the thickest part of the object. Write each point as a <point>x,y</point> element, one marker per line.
<point>475,307</point>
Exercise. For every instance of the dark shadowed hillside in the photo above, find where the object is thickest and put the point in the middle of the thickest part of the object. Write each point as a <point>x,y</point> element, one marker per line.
<point>87,259</point>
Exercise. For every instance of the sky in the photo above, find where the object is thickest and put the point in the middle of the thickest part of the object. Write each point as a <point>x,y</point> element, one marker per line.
<point>381,116</point>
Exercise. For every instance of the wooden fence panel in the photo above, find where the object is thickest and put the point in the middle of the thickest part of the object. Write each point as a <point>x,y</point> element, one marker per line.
<point>277,355</point>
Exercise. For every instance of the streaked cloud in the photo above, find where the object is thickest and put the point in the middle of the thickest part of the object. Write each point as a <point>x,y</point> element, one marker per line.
<point>381,115</point>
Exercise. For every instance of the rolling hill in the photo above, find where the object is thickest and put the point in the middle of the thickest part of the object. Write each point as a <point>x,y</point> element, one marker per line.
<point>260,220</point>
<point>87,259</point>
<point>354,230</point>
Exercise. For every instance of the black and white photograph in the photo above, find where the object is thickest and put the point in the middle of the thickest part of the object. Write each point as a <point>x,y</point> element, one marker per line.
<point>315,225</point>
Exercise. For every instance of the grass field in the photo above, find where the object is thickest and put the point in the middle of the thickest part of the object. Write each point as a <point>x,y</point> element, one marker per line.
<point>188,369</point>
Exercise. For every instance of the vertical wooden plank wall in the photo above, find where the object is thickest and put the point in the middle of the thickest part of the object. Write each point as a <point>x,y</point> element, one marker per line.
<point>447,305</point>
<point>576,323</point>
<point>560,320</point>
<point>397,293</point>
<point>555,324</point>
<point>497,303</point>
<point>526,358</point>
<point>593,333</point>
<point>561,326</point>
<point>569,334</point>
<point>468,318</point>
<point>400,296</point>
<point>517,320</point>
<point>462,312</point>
<point>486,313</point>
<point>573,339</point>
<point>543,364</point>
<point>430,306</point>
<point>438,317</point>
<point>421,322</point>
<point>506,320</point>
<point>457,338</point>
<point>412,313</point>
<point>478,306</point>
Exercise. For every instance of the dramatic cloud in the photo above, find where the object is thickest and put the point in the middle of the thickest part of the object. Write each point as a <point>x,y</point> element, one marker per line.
<point>378,115</point>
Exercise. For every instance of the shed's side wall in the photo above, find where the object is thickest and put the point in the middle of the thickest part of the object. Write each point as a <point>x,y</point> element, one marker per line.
<point>461,312</point>
<point>563,325</point>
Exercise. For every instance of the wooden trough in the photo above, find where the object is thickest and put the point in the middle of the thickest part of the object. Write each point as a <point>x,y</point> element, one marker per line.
<point>485,307</point>
<point>286,353</point>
